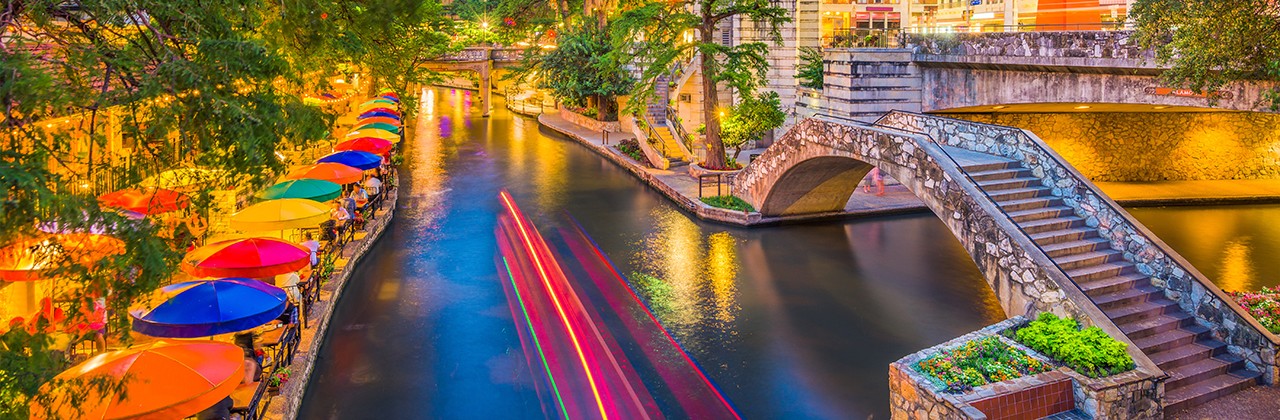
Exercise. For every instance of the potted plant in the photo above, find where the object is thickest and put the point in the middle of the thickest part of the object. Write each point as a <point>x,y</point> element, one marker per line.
<point>277,379</point>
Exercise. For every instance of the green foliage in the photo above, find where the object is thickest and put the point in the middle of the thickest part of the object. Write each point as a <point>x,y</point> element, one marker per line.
<point>1089,351</point>
<point>811,72</point>
<point>1212,43</point>
<point>728,202</point>
<point>506,22</point>
<point>631,148</point>
<point>979,362</point>
<point>578,73</point>
<point>750,119</point>
<point>651,35</point>
<point>211,85</point>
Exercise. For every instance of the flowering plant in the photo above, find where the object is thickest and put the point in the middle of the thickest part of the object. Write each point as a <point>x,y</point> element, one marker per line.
<point>279,377</point>
<point>979,362</point>
<point>1264,305</point>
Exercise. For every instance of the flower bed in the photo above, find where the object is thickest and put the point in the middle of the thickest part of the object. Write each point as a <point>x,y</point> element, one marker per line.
<point>728,202</point>
<point>1089,351</point>
<point>631,148</point>
<point>1263,305</point>
<point>979,362</point>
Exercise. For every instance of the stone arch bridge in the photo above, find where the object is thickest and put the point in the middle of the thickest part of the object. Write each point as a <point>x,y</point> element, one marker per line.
<point>479,60</point>
<point>1044,237</point>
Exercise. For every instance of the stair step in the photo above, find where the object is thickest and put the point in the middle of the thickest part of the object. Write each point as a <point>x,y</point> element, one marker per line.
<point>1113,284</point>
<point>987,167</point>
<point>1208,389</point>
<point>1030,203</point>
<point>1170,339</point>
<point>1073,247</point>
<point>1065,235</point>
<point>1040,213</point>
<point>1179,356</point>
<point>1115,299</point>
<point>999,174</point>
<point>1019,193</point>
<point>1046,225</point>
<point>1004,184</point>
<point>1100,271</point>
<point>1085,259</point>
<point>1206,368</point>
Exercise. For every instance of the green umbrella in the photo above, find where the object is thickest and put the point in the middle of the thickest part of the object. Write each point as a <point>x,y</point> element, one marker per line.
<point>379,126</point>
<point>310,189</point>
<point>379,101</point>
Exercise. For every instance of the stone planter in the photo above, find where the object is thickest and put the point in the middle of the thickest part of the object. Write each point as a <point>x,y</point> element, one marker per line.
<point>697,170</point>
<point>588,122</point>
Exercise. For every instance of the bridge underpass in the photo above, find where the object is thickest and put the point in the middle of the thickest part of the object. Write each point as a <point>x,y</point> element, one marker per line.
<point>1042,234</point>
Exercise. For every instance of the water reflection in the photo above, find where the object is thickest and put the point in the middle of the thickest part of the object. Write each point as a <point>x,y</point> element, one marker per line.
<point>1234,246</point>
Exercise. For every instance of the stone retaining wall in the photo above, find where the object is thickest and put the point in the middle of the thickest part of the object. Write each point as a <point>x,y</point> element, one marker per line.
<point>1180,281</point>
<point>588,122</point>
<point>1156,146</point>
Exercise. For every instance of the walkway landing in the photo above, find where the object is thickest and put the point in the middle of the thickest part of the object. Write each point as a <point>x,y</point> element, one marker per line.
<point>1193,192</point>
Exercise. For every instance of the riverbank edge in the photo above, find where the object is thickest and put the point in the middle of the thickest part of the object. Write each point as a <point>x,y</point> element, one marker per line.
<point>706,212</point>
<point>295,390</point>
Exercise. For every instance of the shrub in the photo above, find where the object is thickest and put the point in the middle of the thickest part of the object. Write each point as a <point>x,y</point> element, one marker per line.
<point>728,202</point>
<point>1263,305</point>
<point>631,147</point>
<point>979,362</point>
<point>1089,351</point>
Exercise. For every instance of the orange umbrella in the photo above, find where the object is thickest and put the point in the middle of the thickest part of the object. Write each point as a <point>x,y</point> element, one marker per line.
<point>160,380</point>
<point>148,201</point>
<point>333,172</point>
<point>371,120</point>
<point>27,260</point>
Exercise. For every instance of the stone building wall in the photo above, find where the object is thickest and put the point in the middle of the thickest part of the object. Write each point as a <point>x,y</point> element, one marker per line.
<point>1156,146</point>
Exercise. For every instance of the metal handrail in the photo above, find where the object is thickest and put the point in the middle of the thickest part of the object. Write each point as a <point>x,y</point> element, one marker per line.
<point>677,126</point>
<point>653,135</point>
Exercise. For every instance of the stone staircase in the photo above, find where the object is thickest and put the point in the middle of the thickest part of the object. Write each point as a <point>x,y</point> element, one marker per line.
<point>669,146</point>
<point>1199,367</point>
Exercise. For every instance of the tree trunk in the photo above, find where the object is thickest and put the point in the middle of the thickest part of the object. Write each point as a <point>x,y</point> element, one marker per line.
<point>711,98</point>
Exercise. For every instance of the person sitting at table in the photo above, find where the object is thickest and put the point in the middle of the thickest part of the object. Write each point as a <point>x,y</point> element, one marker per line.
<point>313,246</point>
<point>219,411</point>
<point>252,371</point>
<point>340,217</point>
<point>373,184</point>
<point>361,197</point>
<point>349,202</point>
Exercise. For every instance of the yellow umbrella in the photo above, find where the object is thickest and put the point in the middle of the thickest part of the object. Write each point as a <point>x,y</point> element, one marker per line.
<point>375,133</point>
<point>183,179</point>
<point>285,213</point>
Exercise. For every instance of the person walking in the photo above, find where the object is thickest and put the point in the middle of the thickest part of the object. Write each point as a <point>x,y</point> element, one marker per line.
<point>878,179</point>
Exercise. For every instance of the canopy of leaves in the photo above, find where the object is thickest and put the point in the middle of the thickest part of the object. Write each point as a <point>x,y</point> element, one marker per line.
<point>750,119</point>
<point>213,86</point>
<point>1212,43</point>
<point>578,68</point>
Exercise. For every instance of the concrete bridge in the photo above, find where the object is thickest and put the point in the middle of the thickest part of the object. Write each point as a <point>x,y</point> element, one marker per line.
<point>482,61</point>
<point>1042,234</point>
<point>1015,71</point>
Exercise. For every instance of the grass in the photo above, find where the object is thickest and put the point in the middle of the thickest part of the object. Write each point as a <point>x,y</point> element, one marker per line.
<point>728,202</point>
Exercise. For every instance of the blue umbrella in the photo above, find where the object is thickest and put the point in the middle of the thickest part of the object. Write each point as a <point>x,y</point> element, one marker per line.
<point>202,308</point>
<point>371,114</point>
<point>390,98</point>
<point>353,158</point>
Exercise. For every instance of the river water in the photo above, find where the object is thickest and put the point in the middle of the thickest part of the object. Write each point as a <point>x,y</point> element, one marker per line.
<point>789,321</point>
<point>792,321</point>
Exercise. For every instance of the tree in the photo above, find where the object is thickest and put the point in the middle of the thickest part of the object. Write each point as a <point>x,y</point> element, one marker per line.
<point>750,119</point>
<point>186,86</point>
<point>811,72</point>
<point>1213,43</point>
<point>578,73</point>
<point>650,34</point>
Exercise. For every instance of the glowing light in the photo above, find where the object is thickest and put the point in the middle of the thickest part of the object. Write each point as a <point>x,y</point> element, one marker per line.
<point>1236,274</point>
<point>1000,107</point>
<point>555,300</point>
<point>1160,107</point>
<point>1083,107</point>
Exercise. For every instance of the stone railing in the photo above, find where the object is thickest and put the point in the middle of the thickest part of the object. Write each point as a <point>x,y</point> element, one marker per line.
<point>1070,48</point>
<point>653,156</point>
<point>469,54</point>
<point>1180,281</point>
<point>508,54</point>
<point>1129,395</point>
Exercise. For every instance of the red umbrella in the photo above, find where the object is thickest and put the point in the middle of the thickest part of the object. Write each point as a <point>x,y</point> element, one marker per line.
<point>249,257</point>
<point>146,201</point>
<point>373,145</point>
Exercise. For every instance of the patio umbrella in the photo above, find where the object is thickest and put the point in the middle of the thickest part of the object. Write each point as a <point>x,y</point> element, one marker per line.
<point>203,308</point>
<point>393,97</point>
<point>333,172</point>
<point>379,114</point>
<point>161,380</point>
<point>310,189</point>
<point>146,201</point>
<point>373,145</point>
<point>381,109</point>
<point>379,126</point>
<point>246,257</point>
<point>374,132</point>
<point>30,259</point>
<point>354,159</point>
<point>281,214</point>
<point>385,120</point>
<point>183,179</point>
<point>378,103</point>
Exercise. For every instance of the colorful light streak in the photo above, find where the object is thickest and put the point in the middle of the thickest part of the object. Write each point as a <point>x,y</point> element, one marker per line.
<point>534,335</point>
